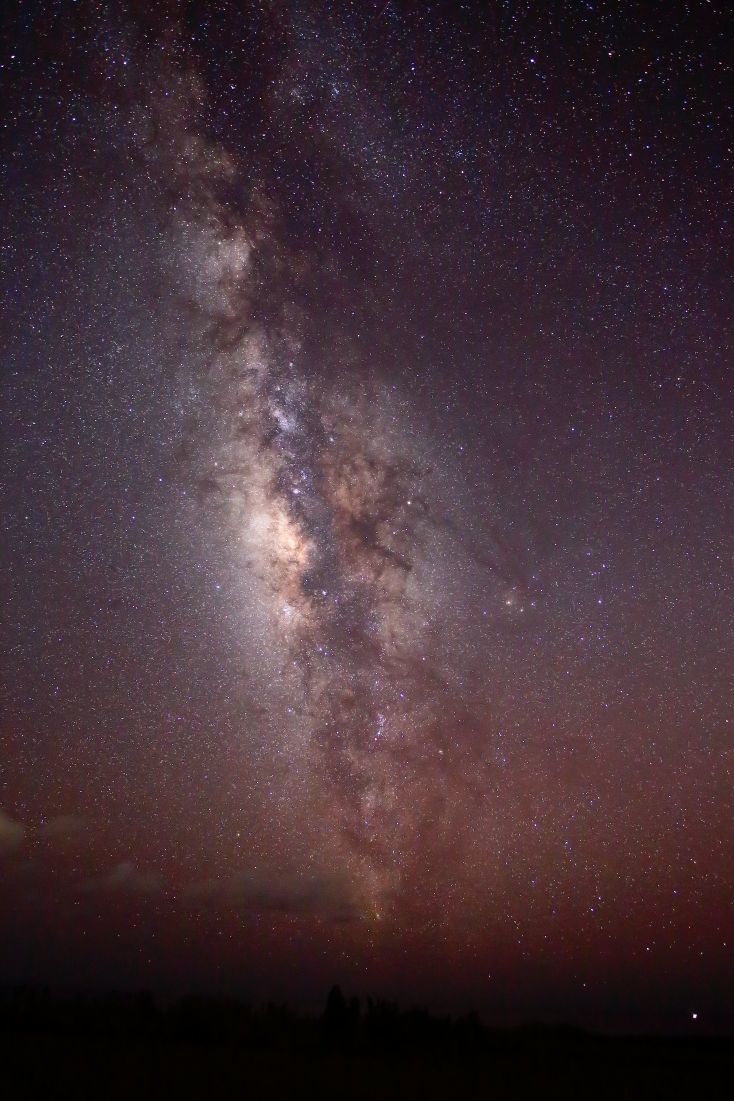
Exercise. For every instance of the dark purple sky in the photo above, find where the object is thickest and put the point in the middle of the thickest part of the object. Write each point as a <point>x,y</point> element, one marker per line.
<point>368,503</point>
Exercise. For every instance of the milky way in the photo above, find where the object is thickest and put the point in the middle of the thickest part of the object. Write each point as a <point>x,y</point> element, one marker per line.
<point>332,516</point>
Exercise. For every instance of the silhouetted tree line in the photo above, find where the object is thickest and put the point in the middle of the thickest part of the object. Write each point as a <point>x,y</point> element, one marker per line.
<point>130,1045</point>
<point>346,1025</point>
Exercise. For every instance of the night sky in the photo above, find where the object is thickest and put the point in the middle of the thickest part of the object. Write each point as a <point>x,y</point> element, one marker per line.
<point>368,503</point>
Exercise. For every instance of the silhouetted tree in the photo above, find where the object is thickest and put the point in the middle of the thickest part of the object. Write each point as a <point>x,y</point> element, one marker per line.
<point>340,1020</point>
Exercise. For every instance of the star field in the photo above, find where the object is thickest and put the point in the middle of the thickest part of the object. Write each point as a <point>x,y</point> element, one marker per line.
<point>367,497</point>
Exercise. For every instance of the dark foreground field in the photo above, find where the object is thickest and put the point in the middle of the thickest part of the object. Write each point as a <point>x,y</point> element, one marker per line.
<point>199,1050</point>
<point>44,1067</point>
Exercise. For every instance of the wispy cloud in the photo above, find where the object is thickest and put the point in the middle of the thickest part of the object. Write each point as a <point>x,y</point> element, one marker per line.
<point>126,878</point>
<point>321,894</point>
<point>62,827</point>
<point>12,833</point>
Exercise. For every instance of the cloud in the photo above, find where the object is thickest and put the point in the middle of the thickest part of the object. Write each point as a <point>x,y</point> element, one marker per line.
<point>319,894</point>
<point>62,827</point>
<point>126,878</point>
<point>11,833</point>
